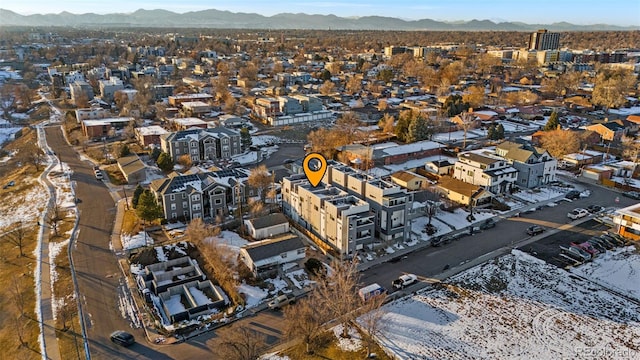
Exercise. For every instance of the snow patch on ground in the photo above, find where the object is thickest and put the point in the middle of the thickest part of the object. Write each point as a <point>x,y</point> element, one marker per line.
<point>352,343</point>
<point>135,241</point>
<point>273,356</point>
<point>515,306</point>
<point>618,269</point>
<point>25,209</point>
<point>253,295</point>
<point>299,278</point>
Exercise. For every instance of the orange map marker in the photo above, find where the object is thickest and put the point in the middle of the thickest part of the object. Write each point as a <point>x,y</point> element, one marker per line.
<point>314,165</point>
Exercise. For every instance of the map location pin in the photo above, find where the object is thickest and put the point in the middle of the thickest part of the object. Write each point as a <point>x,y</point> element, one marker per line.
<point>314,165</point>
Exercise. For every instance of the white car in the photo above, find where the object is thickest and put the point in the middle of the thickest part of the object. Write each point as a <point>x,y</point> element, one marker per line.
<point>578,213</point>
<point>404,280</point>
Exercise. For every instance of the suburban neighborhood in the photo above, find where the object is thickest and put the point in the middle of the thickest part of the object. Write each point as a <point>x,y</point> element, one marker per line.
<point>155,191</point>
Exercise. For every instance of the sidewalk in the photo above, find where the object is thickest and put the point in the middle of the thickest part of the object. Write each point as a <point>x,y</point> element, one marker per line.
<point>48,326</point>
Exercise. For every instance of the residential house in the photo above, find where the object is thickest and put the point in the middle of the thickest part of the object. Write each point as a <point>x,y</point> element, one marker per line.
<point>95,129</point>
<point>177,100</point>
<point>109,87</point>
<point>535,165</point>
<point>389,152</point>
<point>133,169</point>
<point>440,167</point>
<point>463,192</point>
<point>493,173</point>
<point>267,226</point>
<point>196,108</point>
<point>93,113</point>
<point>264,257</point>
<point>80,90</point>
<point>191,196</point>
<point>627,222</point>
<point>202,144</point>
<point>582,158</point>
<point>608,131</point>
<point>188,123</point>
<point>409,180</point>
<point>149,135</point>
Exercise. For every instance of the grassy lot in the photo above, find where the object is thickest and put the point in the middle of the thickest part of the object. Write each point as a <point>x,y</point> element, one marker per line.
<point>329,349</point>
<point>115,175</point>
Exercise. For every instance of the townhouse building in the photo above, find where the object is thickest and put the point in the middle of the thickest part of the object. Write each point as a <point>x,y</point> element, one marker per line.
<point>186,197</point>
<point>535,165</point>
<point>80,89</point>
<point>341,221</point>
<point>493,173</point>
<point>109,87</point>
<point>202,144</point>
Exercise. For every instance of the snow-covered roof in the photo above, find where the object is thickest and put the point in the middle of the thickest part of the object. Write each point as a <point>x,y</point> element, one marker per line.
<point>412,148</point>
<point>151,130</point>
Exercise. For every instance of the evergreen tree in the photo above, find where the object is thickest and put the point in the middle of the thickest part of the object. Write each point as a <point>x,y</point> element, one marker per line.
<point>418,129</point>
<point>552,123</point>
<point>164,162</point>
<point>147,208</point>
<point>136,196</point>
<point>454,105</point>
<point>155,153</point>
<point>245,138</point>
<point>491,131</point>
<point>499,132</point>
<point>402,126</point>
<point>124,150</point>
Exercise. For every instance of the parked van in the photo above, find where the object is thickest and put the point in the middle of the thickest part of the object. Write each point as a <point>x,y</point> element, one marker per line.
<point>370,291</point>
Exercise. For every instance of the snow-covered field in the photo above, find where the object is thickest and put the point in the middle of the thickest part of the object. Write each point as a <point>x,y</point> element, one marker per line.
<point>514,307</point>
<point>618,269</point>
<point>25,208</point>
<point>135,241</point>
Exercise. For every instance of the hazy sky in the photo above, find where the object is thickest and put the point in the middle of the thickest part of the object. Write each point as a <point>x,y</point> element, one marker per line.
<point>614,12</point>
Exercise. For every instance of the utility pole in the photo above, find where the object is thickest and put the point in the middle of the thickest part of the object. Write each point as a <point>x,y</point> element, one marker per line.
<point>126,201</point>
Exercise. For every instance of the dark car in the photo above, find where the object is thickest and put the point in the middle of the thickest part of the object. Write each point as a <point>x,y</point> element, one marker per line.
<point>632,194</point>
<point>535,230</point>
<point>572,195</point>
<point>122,338</point>
<point>594,208</point>
<point>488,224</point>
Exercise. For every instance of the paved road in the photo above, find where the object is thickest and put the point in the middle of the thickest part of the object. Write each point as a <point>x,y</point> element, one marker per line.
<point>431,261</point>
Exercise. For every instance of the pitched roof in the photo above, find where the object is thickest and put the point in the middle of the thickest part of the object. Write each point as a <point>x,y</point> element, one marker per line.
<point>269,220</point>
<point>477,158</point>
<point>405,176</point>
<point>634,118</point>
<point>457,186</point>
<point>265,249</point>
<point>130,164</point>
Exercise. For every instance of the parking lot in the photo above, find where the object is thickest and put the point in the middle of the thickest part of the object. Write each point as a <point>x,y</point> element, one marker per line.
<point>548,248</point>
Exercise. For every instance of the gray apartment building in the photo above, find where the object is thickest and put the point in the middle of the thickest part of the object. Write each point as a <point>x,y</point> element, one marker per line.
<point>202,144</point>
<point>372,209</point>
<point>191,196</point>
<point>344,222</point>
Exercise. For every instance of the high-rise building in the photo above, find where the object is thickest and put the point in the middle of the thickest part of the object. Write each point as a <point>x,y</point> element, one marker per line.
<point>544,40</point>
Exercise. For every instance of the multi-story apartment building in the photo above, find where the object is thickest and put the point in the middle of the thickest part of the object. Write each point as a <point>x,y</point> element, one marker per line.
<point>285,110</point>
<point>94,113</point>
<point>493,173</point>
<point>109,87</point>
<point>191,196</point>
<point>535,165</point>
<point>544,40</point>
<point>342,221</point>
<point>80,89</point>
<point>202,144</point>
<point>373,209</point>
<point>390,204</point>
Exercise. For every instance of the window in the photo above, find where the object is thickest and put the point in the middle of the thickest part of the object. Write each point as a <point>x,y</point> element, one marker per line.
<point>218,201</point>
<point>469,173</point>
<point>174,215</point>
<point>185,204</point>
<point>195,197</point>
<point>283,255</point>
<point>195,207</point>
<point>184,195</point>
<point>185,213</point>
<point>194,144</point>
<point>172,197</point>
<point>173,206</point>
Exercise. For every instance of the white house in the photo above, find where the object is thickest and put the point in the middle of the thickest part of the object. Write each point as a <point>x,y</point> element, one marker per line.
<point>495,174</point>
<point>267,226</point>
<point>262,257</point>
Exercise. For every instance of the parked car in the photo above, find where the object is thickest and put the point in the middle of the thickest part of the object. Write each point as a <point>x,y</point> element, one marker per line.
<point>534,230</point>
<point>488,224</point>
<point>577,213</point>
<point>579,252</point>
<point>404,280</point>
<point>9,184</point>
<point>586,247</point>
<point>281,300</point>
<point>632,194</point>
<point>122,338</point>
<point>594,209</point>
<point>99,176</point>
<point>572,195</point>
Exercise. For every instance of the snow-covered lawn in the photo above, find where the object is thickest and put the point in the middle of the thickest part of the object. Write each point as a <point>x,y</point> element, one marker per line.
<point>247,158</point>
<point>7,133</point>
<point>299,278</point>
<point>135,241</point>
<point>353,343</point>
<point>618,270</point>
<point>513,307</point>
<point>25,208</point>
<point>263,140</point>
<point>538,195</point>
<point>252,295</point>
<point>459,217</point>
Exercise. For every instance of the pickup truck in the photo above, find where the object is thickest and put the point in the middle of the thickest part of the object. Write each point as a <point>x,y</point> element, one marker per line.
<point>404,280</point>
<point>281,300</point>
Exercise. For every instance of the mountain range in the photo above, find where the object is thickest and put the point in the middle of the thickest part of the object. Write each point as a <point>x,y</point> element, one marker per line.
<point>229,20</point>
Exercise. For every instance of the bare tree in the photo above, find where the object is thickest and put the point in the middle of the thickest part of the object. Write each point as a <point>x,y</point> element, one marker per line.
<point>261,179</point>
<point>305,320</point>
<point>54,216</point>
<point>16,236</point>
<point>19,301</point>
<point>560,142</point>
<point>242,344</point>
<point>468,122</point>
<point>337,293</point>
<point>387,124</point>
<point>256,208</point>
<point>372,318</point>
<point>327,88</point>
